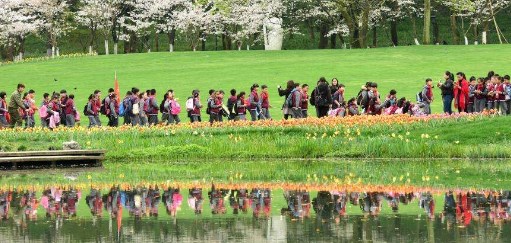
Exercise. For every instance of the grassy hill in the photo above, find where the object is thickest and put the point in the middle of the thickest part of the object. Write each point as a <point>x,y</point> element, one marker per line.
<point>401,68</point>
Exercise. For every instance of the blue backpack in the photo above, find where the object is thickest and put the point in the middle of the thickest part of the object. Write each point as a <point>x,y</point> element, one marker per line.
<point>508,90</point>
<point>122,108</point>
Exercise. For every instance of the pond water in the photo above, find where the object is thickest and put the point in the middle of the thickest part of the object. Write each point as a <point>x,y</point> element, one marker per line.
<point>148,214</point>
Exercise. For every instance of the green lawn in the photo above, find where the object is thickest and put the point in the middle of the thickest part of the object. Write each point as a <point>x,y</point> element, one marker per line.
<point>402,68</point>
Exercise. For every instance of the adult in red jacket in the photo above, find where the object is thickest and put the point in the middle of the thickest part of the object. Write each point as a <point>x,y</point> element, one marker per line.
<point>461,93</point>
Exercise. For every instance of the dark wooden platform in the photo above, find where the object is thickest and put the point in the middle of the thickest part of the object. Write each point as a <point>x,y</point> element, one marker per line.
<point>51,159</point>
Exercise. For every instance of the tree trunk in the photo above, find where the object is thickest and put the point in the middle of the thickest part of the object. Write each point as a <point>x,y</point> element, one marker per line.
<point>365,27</point>
<point>436,32</point>
<point>415,38</point>
<point>106,47</point>
<point>52,51</point>
<point>476,34</point>
<point>485,31</point>
<point>323,39</point>
<point>393,32</point>
<point>90,50</point>
<point>310,28</point>
<point>375,37</point>
<point>156,41</point>
<point>355,38</point>
<point>203,41</point>
<point>115,48</point>
<point>224,43</point>
<point>127,46</point>
<point>454,30</point>
<point>21,49</point>
<point>343,43</point>
<point>172,40</point>
<point>426,38</point>
<point>333,41</point>
<point>10,52</point>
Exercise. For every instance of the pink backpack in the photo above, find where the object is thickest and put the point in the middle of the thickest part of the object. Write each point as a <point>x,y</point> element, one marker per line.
<point>43,111</point>
<point>175,108</point>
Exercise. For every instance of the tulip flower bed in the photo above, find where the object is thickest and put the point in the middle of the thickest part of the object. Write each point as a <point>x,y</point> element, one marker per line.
<point>400,136</point>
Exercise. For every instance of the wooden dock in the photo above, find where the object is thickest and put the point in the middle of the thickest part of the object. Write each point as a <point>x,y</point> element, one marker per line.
<point>51,159</point>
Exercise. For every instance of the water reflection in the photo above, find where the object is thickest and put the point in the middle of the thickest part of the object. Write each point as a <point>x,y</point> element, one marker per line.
<point>251,214</point>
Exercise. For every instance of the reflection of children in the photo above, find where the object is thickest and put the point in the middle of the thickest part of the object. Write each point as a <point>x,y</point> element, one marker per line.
<point>261,201</point>
<point>172,199</point>
<point>195,199</point>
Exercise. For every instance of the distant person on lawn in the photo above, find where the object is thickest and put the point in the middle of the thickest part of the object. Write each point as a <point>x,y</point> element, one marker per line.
<point>285,92</point>
<point>447,91</point>
<point>427,96</point>
<point>480,95</point>
<point>15,104</point>
<point>321,98</point>
<point>461,93</point>
<point>3,110</point>
<point>265,103</point>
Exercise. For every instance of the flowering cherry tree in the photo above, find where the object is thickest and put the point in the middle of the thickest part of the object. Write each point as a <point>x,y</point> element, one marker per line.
<point>97,15</point>
<point>55,19</point>
<point>166,14</point>
<point>196,21</point>
<point>17,21</point>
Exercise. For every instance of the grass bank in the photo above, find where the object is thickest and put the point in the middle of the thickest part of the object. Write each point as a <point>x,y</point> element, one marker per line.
<point>401,68</point>
<point>328,174</point>
<point>470,137</point>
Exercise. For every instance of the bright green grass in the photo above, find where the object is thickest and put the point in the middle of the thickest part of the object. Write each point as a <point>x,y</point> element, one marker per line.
<point>473,138</point>
<point>441,174</point>
<point>402,68</point>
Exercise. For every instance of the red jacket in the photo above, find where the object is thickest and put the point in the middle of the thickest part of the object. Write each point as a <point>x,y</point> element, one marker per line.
<point>265,102</point>
<point>255,99</point>
<point>461,95</point>
<point>304,99</point>
<point>216,109</point>
<point>502,93</point>
<point>196,109</point>
<point>69,109</point>
<point>97,105</point>
<point>242,110</point>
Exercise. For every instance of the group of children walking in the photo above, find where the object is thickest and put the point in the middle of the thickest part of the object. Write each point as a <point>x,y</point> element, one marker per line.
<point>142,108</point>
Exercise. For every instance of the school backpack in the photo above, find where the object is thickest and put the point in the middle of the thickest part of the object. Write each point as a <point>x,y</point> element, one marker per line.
<point>175,108</point>
<point>508,90</point>
<point>419,97</point>
<point>362,99</point>
<point>162,107</point>
<point>122,109</point>
<point>319,98</point>
<point>43,111</point>
<point>85,110</point>
<point>104,107</point>
<point>208,110</point>
<point>189,104</point>
<point>290,98</point>
<point>147,103</point>
<point>135,108</point>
